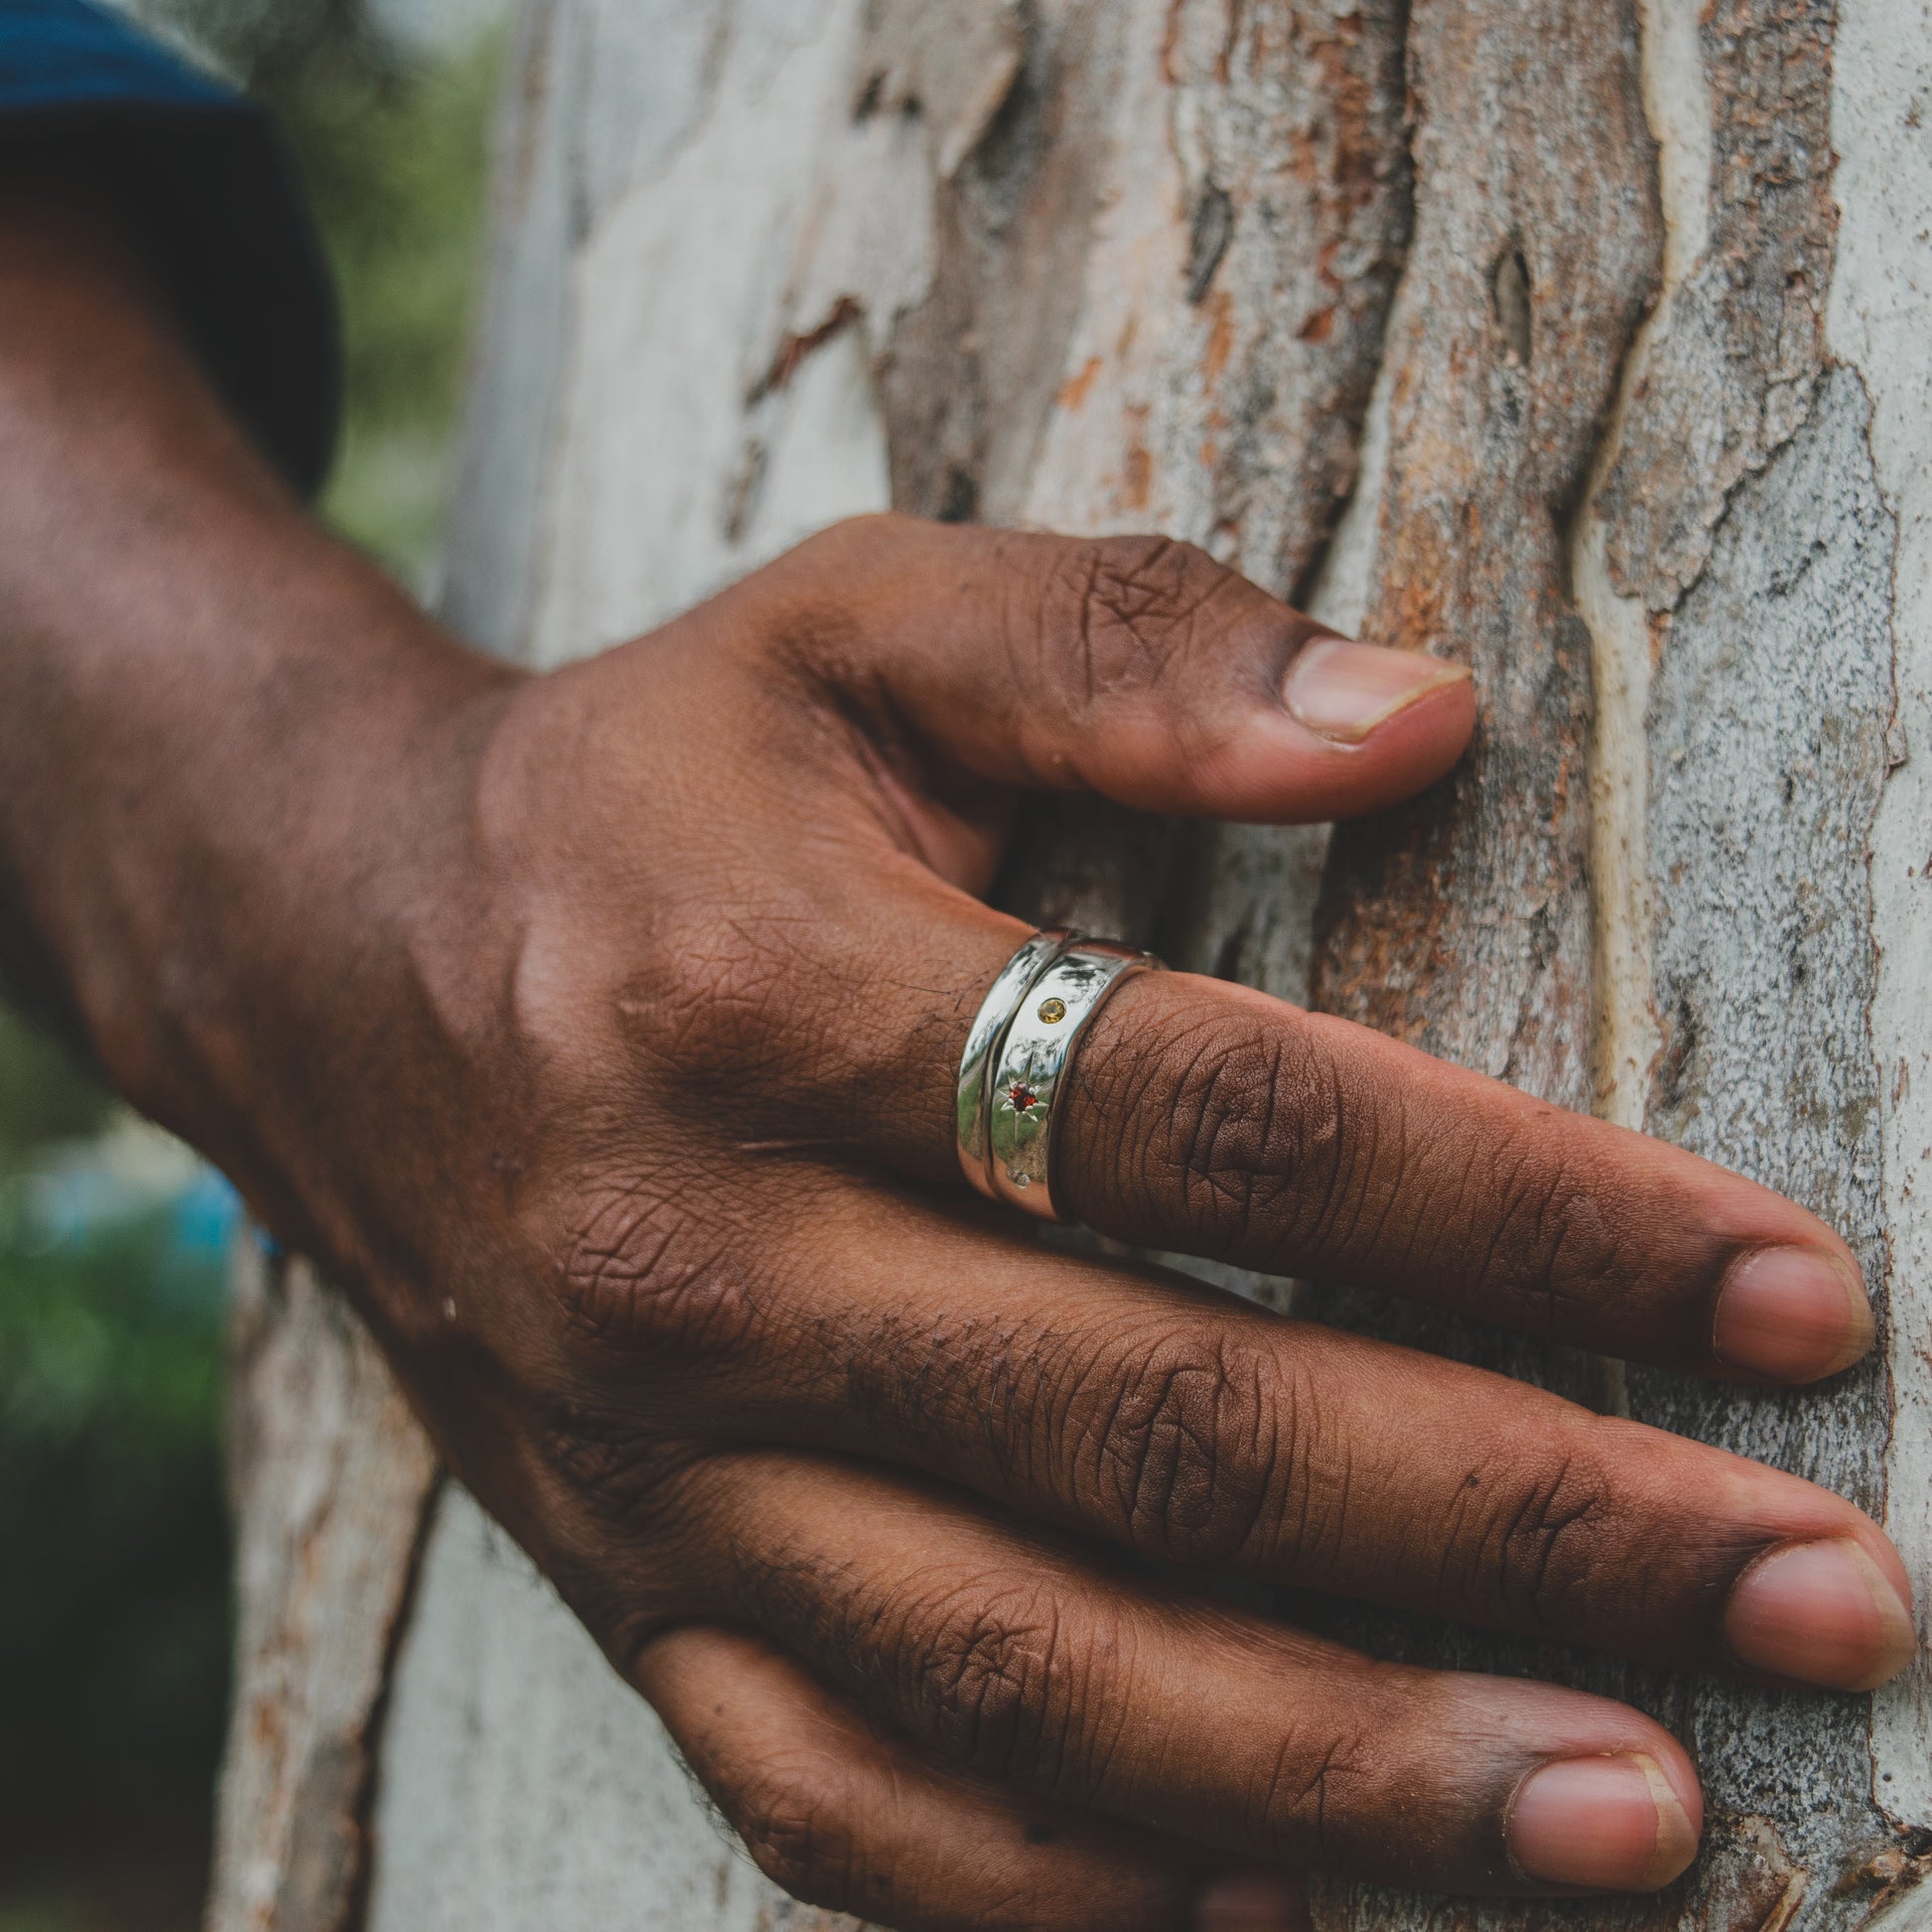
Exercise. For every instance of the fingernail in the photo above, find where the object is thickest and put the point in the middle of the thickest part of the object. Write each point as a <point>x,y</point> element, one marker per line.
<point>1795,1314</point>
<point>1614,1824</point>
<point>1821,1613</point>
<point>1253,1901</point>
<point>1343,690</point>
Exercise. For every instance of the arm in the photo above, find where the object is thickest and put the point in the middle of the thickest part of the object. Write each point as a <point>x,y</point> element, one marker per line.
<point>598,1032</point>
<point>196,750</point>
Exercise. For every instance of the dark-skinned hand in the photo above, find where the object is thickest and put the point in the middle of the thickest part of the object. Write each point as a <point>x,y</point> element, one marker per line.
<point>598,1032</point>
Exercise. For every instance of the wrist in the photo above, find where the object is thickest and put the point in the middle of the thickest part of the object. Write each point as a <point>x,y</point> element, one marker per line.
<point>236,753</point>
<point>273,975</point>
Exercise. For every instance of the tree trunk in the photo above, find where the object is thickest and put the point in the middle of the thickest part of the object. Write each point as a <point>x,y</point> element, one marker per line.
<point>1589,341</point>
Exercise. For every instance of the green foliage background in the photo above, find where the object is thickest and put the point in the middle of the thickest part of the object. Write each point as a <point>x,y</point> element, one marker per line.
<point>114,1621</point>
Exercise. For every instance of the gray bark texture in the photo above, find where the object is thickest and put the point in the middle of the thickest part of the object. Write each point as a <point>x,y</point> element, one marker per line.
<point>1590,342</point>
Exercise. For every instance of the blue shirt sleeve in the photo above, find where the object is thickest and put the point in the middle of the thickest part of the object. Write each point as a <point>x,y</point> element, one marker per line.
<point>203,189</point>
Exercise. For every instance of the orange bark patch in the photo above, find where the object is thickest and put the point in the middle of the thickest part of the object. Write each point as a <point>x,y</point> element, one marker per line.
<point>1220,337</point>
<point>1137,472</point>
<point>793,350</point>
<point>1073,391</point>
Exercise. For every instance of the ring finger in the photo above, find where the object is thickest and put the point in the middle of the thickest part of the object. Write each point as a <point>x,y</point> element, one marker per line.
<point>1014,1655</point>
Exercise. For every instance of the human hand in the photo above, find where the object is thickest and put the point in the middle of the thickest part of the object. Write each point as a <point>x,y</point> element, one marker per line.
<point>599,1032</point>
<point>668,1238</point>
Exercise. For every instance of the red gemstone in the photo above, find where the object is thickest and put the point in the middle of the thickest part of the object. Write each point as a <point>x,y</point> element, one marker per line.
<point>1021,1096</point>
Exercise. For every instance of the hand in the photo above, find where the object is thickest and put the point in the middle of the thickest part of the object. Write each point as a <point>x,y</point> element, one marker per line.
<point>599,1030</point>
<point>692,1296</point>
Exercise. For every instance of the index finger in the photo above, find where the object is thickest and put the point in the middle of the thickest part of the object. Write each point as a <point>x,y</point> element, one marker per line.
<point>1214,1120</point>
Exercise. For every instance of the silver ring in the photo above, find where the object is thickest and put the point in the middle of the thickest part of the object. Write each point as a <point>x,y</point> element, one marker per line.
<point>1002,1002</point>
<point>1031,1068</point>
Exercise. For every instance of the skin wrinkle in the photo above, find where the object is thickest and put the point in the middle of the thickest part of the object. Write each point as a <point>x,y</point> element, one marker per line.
<point>1298,1797</point>
<point>1162,1445</point>
<point>1446,1221</point>
<point>1534,1535</point>
<point>1319,1219</point>
<point>1199,1117</point>
<point>1204,1115</point>
<point>1455,1537</point>
<point>780,1822</point>
<point>1544,1205</point>
<point>1126,601</point>
<point>1303,1441</point>
<point>1088,603</point>
<point>988,1673</point>
<point>1109,1461</point>
<point>1505,1513</point>
<point>1343,1461</point>
<point>1113,1720</point>
<point>1359,1155</point>
<point>1517,1535</point>
<point>1389,1158</point>
<point>615,1469</point>
<point>1509,1184</point>
<point>618,1259</point>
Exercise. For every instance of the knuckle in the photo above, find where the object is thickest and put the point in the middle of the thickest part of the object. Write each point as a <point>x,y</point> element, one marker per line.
<point>606,1462</point>
<point>1533,1540</point>
<point>1324,1776</point>
<point>609,1470</point>
<point>1004,1682</point>
<point>867,536</point>
<point>1257,1134</point>
<point>1183,1442</point>
<point>1556,1249</point>
<point>1135,609</point>
<point>705,994</point>
<point>818,572</point>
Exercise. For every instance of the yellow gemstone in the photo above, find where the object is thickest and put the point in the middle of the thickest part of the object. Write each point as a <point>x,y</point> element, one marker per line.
<point>1053,1012</point>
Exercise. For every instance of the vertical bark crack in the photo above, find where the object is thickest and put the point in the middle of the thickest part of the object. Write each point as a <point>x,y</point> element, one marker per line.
<point>1625,1037</point>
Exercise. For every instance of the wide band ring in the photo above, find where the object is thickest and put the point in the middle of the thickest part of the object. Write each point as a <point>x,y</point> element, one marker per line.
<point>1032,1059</point>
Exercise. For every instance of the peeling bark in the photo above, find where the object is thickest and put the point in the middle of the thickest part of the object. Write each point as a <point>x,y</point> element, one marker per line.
<point>1462,923</point>
<point>1732,370</point>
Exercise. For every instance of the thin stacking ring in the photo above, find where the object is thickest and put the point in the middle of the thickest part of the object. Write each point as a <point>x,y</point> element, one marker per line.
<point>983,1046</point>
<point>1022,1046</point>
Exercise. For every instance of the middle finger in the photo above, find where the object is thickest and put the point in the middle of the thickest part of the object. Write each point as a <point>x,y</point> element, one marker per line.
<point>1197,1428</point>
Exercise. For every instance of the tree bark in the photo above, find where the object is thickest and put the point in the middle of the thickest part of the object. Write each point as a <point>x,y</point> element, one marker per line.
<point>1590,342</point>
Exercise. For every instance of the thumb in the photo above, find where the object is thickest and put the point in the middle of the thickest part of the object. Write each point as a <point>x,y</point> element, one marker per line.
<point>1134,667</point>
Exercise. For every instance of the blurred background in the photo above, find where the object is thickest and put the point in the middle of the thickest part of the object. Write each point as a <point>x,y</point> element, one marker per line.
<point>114,1590</point>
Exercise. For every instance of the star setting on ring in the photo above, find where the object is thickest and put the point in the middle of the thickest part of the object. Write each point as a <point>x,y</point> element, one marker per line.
<point>1023,1098</point>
